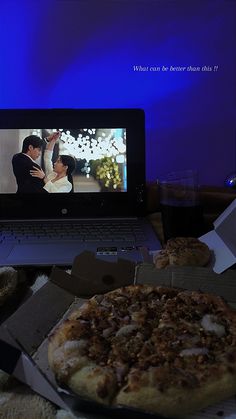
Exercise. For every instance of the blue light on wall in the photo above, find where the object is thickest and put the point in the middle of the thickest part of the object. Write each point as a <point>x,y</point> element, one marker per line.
<point>64,53</point>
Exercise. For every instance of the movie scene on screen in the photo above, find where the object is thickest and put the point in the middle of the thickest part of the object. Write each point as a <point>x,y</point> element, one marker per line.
<point>91,159</point>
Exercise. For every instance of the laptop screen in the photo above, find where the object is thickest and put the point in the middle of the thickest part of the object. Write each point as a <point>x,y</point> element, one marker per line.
<point>98,160</point>
<point>85,162</point>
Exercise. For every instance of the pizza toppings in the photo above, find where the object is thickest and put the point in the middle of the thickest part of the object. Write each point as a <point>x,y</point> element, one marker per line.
<point>209,323</point>
<point>126,330</point>
<point>194,351</point>
<point>146,337</point>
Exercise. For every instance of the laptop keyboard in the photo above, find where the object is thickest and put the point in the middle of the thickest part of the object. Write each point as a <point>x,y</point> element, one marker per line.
<point>84,231</point>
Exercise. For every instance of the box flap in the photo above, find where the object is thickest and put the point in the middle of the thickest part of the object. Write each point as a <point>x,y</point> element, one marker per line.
<point>222,240</point>
<point>147,273</point>
<point>9,355</point>
<point>65,280</point>
<point>91,275</point>
<point>36,317</point>
<point>16,362</point>
<point>223,257</point>
<point>225,214</point>
<point>27,371</point>
<point>192,278</point>
<point>226,230</point>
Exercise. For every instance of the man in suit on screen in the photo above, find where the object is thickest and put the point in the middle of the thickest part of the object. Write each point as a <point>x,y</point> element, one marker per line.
<point>25,161</point>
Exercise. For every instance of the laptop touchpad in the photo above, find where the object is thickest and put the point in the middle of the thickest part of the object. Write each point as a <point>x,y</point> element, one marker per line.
<point>43,253</point>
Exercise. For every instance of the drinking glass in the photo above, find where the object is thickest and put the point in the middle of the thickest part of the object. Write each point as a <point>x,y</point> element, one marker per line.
<point>182,214</point>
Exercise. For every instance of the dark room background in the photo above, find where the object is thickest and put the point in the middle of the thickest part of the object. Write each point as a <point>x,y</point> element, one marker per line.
<point>176,59</point>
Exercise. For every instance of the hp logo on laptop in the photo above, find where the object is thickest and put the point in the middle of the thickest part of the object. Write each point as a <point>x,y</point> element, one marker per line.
<point>64,211</point>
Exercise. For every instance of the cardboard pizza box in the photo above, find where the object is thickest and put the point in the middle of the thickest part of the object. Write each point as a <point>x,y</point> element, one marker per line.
<point>192,278</point>
<point>24,335</point>
<point>222,240</point>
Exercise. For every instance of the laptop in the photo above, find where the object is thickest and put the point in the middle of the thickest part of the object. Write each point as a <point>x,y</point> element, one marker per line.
<point>105,212</point>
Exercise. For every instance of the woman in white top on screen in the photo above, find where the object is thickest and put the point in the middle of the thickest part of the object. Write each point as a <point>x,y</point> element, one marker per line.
<point>57,177</point>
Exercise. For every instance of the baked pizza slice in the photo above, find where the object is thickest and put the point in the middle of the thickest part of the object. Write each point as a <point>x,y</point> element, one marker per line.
<point>183,251</point>
<point>162,350</point>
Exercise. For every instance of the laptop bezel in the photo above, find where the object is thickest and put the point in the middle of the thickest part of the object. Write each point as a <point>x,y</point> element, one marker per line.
<point>77,205</point>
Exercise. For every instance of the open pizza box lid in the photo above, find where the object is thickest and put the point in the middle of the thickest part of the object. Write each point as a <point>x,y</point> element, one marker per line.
<point>23,336</point>
<point>222,240</point>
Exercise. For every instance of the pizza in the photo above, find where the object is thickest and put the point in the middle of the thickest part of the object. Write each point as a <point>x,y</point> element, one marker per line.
<point>8,283</point>
<point>162,350</point>
<point>183,251</point>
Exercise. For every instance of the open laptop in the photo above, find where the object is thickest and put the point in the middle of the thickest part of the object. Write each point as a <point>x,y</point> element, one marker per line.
<point>106,211</point>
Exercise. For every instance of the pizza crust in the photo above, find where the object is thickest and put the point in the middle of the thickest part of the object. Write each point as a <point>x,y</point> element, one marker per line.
<point>178,402</point>
<point>94,382</point>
